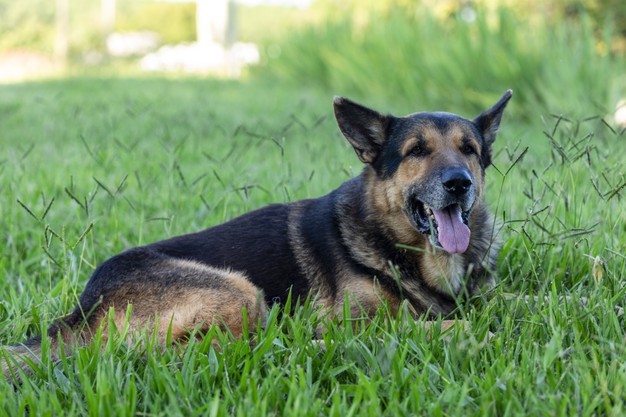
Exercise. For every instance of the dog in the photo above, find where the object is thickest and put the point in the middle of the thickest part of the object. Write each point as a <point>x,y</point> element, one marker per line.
<point>412,228</point>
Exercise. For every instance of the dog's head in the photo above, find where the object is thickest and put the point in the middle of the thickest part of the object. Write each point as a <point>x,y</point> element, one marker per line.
<point>427,166</point>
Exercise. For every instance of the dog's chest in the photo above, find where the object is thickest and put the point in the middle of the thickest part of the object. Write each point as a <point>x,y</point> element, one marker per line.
<point>444,272</point>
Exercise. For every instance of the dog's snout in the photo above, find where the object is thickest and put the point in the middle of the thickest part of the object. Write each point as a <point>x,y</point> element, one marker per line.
<point>456,181</point>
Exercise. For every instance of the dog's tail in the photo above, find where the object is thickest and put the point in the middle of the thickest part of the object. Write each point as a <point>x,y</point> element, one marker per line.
<point>21,358</point>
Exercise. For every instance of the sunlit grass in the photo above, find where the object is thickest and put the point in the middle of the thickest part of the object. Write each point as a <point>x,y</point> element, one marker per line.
<point>91,167</point>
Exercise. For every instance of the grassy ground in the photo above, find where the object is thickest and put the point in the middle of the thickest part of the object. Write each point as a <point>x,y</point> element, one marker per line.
<point>91,167</point>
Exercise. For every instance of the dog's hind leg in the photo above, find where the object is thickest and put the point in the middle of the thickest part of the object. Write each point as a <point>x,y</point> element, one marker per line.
<point>175,295</point>
<point>179,296</point>
<point>185,309</point>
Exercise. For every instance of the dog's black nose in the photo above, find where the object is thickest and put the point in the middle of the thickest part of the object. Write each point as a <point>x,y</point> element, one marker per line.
<point>456,181</point>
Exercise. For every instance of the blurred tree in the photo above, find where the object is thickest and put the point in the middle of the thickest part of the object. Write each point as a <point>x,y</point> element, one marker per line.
<point>108,17</point>
<point>26,23</point>
<point>31,23</point>
<point>62,30</point>
<point>174,22</point>
<point>605,14</point>
<point>216,21</point>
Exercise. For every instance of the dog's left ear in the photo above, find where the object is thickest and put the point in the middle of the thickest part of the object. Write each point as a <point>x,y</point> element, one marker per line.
<point>364,128</point>
<point>488,121</point>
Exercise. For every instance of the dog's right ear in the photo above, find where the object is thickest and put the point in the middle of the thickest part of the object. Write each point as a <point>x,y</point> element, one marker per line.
<point>365,129</point>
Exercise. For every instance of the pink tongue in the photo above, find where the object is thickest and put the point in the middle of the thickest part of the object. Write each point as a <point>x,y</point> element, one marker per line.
<point>454,235</point>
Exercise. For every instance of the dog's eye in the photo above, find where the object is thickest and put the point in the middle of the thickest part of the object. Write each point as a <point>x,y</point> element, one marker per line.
<point>468,149</point>
<point>418,150</point>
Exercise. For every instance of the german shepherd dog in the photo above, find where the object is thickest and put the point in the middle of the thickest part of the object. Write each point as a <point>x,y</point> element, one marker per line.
<point>413,226</point>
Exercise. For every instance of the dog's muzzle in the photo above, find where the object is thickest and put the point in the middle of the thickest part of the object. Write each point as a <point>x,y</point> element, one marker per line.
<point>441,209</point>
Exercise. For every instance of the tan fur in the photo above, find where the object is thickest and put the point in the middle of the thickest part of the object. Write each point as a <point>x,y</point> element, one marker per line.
<point>14,358</point>
<point>387,199</point>
<point>443,271</point>
<point>366,296</point>
<point>196,309</point>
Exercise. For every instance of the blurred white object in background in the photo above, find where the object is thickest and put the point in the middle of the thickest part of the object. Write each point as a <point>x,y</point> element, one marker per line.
<point>620,113</point>
<point>202,58</point>
<point>129,44</point>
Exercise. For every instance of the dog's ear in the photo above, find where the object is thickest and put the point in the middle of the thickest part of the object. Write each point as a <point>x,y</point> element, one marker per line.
<point>488,123</point>
<point>364,128</point>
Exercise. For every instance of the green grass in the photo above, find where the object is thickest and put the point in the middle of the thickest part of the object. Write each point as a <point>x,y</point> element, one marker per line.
<point>90,167</point>
<point>408,57</point>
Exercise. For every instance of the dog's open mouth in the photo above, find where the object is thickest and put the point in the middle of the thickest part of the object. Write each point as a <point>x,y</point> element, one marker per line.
<point>447,227</point>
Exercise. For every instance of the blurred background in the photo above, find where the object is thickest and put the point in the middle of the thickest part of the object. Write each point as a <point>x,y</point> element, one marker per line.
<point>563,56</point>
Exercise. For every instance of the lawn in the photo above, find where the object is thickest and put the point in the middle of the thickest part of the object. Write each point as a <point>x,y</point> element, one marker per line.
<point>92,166</point>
